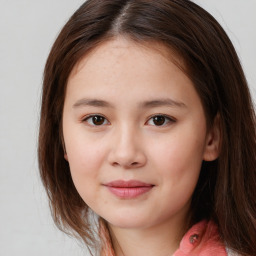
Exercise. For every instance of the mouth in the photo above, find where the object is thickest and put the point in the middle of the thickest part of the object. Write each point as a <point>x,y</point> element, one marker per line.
<point>128,189</point>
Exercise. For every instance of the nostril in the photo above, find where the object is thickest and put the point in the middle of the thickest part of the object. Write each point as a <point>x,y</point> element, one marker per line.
<point>115,164</point>
<point>134,164</point>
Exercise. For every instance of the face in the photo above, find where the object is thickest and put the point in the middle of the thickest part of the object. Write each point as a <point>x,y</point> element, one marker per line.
<point>135,134</point>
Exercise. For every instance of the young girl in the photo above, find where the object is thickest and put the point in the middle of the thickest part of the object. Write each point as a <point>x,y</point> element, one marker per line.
<point>147,123</point>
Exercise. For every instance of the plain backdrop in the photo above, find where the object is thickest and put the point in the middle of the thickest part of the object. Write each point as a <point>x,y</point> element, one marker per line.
<point>27,30</point>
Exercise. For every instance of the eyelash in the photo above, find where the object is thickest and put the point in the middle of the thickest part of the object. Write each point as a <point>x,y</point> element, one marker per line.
<point>167,119</point>
<point>92,116</point>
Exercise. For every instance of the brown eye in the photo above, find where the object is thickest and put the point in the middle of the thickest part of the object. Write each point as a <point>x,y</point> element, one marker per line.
<point>96,120</point>
<point>160,120</point>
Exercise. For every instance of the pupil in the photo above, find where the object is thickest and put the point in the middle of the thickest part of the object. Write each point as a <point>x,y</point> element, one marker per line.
<point>98,120</point>
<point>159,120</point>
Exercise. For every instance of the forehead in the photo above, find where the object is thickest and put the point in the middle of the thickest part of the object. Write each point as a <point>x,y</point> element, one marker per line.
<point>122,64</point>
<point>125,73</point>
<point>122,45</point>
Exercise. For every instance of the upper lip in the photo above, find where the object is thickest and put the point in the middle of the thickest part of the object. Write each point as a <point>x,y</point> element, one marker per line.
<point>128,184</point>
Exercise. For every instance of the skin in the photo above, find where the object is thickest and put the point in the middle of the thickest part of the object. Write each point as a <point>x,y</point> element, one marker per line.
<point>128,145</point>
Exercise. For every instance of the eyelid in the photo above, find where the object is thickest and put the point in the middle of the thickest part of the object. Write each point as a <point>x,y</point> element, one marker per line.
<point>85,118</point>
<point>170,118</point>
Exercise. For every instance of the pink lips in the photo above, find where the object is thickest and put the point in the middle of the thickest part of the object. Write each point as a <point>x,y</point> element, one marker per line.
<point>128,189</point>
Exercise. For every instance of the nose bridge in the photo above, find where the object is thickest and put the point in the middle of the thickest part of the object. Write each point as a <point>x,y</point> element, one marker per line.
<point>127,149</point>
<point>127,134</point>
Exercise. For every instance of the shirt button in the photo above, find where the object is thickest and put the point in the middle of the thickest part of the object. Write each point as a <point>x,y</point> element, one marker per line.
<point>193,238</point>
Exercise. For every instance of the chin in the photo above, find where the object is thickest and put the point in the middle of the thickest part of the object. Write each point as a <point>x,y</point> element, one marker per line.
<point>127,221</point>
<point>127,224</point>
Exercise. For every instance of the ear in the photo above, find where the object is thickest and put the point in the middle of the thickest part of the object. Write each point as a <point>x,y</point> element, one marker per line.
<point>66,156</point>
<point>64,147</point>
<point>213,141</point>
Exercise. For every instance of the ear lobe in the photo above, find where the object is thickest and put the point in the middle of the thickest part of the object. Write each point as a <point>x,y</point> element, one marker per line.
<point>66,156</point>
<point>64,147</point>
<point>212,145</point>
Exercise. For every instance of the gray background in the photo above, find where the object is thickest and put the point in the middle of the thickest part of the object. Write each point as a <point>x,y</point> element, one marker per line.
<point>27,30</point>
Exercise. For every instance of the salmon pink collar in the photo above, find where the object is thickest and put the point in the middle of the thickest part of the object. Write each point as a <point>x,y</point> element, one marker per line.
<point>202,240</point>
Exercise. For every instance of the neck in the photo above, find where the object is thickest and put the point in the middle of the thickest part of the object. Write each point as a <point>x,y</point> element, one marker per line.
<point>160,240</point>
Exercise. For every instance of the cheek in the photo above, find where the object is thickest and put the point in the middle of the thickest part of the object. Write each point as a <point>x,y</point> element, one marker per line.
<point>85,160</point>
<point>178,167</point>
<point>179,157</point>
<point>85,152</point>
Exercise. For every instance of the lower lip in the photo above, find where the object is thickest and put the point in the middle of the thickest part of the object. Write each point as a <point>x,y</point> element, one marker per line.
<point>129,192</point>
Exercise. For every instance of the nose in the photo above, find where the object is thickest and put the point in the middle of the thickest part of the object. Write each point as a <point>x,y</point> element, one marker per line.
<point>127,150</point>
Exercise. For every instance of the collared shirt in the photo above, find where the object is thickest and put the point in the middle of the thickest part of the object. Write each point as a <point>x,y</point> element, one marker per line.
<point>202,239</point>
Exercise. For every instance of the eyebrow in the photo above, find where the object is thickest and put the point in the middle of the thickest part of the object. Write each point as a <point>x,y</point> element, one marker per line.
<point>146,104</point>
<point>162,102</point>
<point>93,103</point>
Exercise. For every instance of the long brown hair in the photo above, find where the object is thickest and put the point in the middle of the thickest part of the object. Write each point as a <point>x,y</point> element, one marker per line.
<point>226,190</point>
